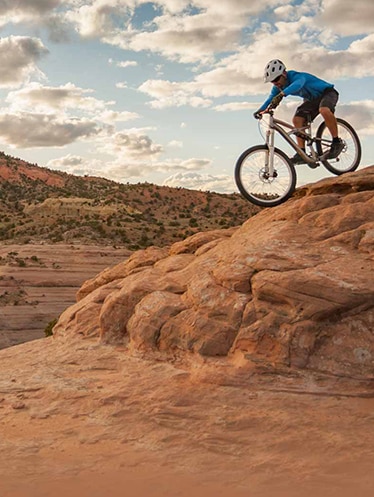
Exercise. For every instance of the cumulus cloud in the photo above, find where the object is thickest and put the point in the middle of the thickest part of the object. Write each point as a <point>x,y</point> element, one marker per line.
<point>66,161</point>
<point>241,74</point>
<point>112,116</point>
<point>127,63</point>
<point>175,144</point>
<point>21,10</point>
<point>225,43</point>
<point>39,13</point>
<point>346,18</point>
<point>238,74</point>
<point>127,170</point>
<point>205,182</point>
<point>50,99</point>
<point>187,31</point>
<point>99,18</point>
<point>360,114</point>
<point>235,106</point>
<point>185,38</point>
<point>195,31</point>
<point>131,144</point>
<point>30,130</point>
<point>77,165</point>
<point>121,169</point>
<point>19,56</point>
<point>173,94</point>
<point>49,116</point>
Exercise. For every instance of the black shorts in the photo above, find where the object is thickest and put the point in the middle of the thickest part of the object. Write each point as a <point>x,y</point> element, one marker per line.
<point>329,98</point>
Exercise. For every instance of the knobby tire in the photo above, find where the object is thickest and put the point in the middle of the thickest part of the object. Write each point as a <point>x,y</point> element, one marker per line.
<point>252,182</point>
<point>349,159</point>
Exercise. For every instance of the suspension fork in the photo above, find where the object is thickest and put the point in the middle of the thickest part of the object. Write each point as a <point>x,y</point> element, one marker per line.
<point>269,160</point>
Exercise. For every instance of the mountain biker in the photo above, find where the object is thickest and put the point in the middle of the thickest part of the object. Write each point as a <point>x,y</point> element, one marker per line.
<point>319,97</point>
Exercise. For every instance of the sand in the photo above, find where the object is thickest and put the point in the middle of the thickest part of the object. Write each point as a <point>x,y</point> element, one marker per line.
<point>78,418</point>
<point>38,282</point>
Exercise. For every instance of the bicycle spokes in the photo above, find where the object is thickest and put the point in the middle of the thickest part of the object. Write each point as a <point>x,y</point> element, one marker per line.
<point>258,184</point>
<point>349,158</point>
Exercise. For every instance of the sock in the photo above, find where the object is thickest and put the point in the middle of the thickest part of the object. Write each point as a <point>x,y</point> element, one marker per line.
<point>336,139</point>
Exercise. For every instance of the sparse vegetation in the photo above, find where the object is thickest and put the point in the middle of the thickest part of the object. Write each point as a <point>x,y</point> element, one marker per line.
<point>39,204</point>
<point>48,330</point>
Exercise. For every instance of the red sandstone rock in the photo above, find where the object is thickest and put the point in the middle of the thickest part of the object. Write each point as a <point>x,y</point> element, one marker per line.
<point>292,287</point>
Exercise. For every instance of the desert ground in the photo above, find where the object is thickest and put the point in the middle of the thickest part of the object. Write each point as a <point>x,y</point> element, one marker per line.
<point>38,282</point>
<point>80,418</point>
<point>83,416</point>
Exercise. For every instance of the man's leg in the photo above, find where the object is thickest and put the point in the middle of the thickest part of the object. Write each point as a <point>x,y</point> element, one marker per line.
<point>332,125</point>
<point>330,120</point>
<point>299,122</point>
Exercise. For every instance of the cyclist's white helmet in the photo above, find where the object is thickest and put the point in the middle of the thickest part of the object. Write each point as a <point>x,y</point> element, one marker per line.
<point>273,69</point>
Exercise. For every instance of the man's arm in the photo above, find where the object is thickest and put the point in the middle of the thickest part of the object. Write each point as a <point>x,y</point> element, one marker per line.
<point>273,93</point>
<point>295,86</point>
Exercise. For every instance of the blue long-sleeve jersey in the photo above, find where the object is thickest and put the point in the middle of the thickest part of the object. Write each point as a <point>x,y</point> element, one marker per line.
<point>301,84</point>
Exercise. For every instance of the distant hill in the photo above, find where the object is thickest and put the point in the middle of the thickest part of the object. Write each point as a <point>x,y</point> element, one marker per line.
<point>38,204</point>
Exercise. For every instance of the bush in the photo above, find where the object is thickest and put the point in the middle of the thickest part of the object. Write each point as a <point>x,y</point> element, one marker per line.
<point>48,330</point>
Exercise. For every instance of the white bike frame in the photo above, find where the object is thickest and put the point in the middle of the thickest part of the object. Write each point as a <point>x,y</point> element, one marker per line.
<point>306,132</point>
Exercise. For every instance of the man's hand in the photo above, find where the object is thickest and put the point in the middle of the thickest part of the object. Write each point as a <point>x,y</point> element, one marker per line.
<point>276,100</point>
<point>257,114</point>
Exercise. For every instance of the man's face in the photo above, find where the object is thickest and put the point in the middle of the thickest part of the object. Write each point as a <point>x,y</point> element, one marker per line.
<point>280,81</point>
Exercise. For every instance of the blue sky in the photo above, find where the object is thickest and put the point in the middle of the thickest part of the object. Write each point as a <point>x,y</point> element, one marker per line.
<point>164,91</point>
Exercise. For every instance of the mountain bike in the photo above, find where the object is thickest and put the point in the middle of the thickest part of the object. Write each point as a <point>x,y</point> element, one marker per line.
<point>266,176</point>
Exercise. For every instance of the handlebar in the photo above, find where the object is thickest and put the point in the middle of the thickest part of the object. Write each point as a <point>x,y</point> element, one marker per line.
<point>269,110</point>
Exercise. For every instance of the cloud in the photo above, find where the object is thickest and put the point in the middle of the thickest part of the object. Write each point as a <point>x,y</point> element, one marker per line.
<point>132,144</point>
<point>186,31</point>
<point>40,13</point>
<point>225,45</point>
<point>22,10</point>
<point>69,163</point>
<point>360,114</point>
<point>112,116</point>
<point>238,74</point>
<point>123,63</point>
<point>235,106</point>
<point>49,116</point>
<point>77,165</point>
<point>185,38</point>
<point>30,130</point>
<point>205,182</point>
<point>241,74</point>
<point>98,18</point>
<point>125,170</point>
<point>127,63</point>
<point>50,99</point>
<point>175,144</point>
<point>196,31</point>
<point>173,94</point>
<point>66,161</point>
<point>18,59</point>
<point>348,19</point>
<point>121,170</point>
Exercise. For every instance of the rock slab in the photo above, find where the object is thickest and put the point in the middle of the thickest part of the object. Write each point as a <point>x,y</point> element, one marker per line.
<point>293,287</point>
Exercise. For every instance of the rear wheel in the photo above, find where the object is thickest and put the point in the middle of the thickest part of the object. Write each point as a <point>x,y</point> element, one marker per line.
<point>350,157</point>
<point>254,181</point>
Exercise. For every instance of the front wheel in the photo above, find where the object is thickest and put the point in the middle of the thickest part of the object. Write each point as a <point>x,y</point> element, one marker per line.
<point>349,159</point>
<point>257,185</point>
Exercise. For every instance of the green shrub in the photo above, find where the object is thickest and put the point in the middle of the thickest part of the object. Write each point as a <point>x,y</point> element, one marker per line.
<point>48,330</point>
